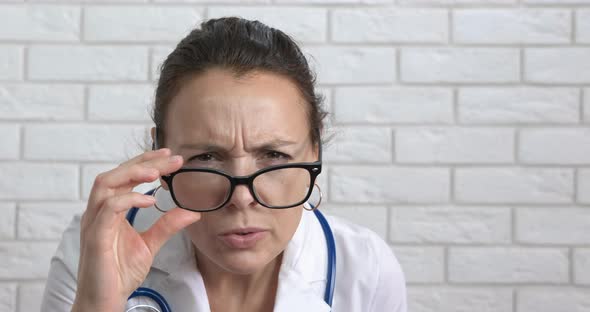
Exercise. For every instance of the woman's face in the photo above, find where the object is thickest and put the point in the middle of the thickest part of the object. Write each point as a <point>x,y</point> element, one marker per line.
<point>239,126</point>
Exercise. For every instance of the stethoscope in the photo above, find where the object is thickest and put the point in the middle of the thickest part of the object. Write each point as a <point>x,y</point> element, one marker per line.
<point>163,305</point>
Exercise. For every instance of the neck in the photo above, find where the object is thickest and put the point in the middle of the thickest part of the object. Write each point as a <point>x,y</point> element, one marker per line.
<point>229,291</point>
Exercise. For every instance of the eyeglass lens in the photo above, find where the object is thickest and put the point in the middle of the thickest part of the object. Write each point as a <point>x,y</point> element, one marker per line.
<point>202,191</point>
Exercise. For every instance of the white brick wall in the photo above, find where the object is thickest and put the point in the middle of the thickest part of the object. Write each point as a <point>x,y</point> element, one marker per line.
<point>456,65</point>
<point>42,101</point>
<point>582,266</point>
<point>512,26</point>
<point>11,62</point>
<point>462,132</point>
<point>143,24</point>
<point>553,299</point>
<point>460,299</point>
<point>523,105</point>
<point>508,265</point>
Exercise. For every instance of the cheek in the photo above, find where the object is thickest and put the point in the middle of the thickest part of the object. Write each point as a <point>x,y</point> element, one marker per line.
<point>287,221</point>
<point>201,233</point>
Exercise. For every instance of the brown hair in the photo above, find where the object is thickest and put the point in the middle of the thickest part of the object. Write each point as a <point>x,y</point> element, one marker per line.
<point>241,46</point>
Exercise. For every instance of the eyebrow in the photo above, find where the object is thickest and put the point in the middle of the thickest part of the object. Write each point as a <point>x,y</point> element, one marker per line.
<point>264,146</point>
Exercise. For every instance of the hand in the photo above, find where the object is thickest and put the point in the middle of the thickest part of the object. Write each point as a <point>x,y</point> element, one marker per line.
<point>114,258</point>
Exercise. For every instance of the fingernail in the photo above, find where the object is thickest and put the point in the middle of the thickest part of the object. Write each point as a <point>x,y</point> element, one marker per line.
<point>175,158</point>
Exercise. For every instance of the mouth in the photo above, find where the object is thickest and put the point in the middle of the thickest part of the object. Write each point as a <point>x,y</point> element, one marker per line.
<point>243,238</point>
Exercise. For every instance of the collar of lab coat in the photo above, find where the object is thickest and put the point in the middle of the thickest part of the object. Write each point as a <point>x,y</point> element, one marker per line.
<point>302,276</point>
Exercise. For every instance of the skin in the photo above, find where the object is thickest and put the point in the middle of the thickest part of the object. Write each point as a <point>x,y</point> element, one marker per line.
<point>238,125</point>
<point>114,258</point>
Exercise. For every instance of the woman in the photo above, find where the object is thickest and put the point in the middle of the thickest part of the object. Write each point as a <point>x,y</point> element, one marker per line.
<point>235,98</point>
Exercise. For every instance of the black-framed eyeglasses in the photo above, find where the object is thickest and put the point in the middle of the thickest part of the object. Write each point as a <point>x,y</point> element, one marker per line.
<point>276,187</point>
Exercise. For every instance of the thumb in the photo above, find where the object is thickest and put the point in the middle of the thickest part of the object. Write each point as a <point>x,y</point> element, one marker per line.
<point>168,225</point>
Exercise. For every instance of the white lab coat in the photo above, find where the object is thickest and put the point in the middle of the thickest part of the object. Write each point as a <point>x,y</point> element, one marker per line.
<point>368,276</point>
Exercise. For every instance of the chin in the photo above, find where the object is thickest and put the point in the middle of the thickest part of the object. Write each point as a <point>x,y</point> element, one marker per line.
<point>244,262</point>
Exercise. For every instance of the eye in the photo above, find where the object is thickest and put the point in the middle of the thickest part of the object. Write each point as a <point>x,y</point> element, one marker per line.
<point>275,155</point>
<point>205,157</point>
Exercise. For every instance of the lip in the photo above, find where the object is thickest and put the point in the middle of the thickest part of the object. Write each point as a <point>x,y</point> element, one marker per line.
<point>243,238</point>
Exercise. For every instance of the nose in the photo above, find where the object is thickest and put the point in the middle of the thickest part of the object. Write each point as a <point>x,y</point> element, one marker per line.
<point>242,198</point>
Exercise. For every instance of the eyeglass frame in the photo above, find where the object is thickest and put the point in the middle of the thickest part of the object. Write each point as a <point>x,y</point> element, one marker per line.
<point>314,169</point>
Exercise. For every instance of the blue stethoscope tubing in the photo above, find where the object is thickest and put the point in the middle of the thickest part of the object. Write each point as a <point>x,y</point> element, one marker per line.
<point>330,275</point>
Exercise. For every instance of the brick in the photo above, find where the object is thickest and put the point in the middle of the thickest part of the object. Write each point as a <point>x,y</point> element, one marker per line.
<point>42,101</point>
<point>456,65</point>
<point>303,24</point>
<point>421,264</point>
<point>512,26</point>
<point>583,25</point>
<point>9,141</point>
<point>584,185</point>
<point>560,2</point>
<point>553,225</point>
<point>330,1</point>
<point>557,65</point>
<point>548,299</point>
<point>508,265</point>
<point>84,142</point>
<point>372,217</point>
<point>581,262</point>
<point>139,23</point>
<point>31,181</point>
<point>518,105</point>
<point>30,296</point>
<point>555,146</point>
<point>454,145</point>
<point>46,220</point>
<point>455,225</point>
<point>120,102</point>
<point>343,64</point>
<point>377,185</point>
<point>393,105</point>
<point>159,54</point>
<point>359,144</point>
<point>8,220</point>
<point>453,2</point>
<point>11,62</point>
<point>7,297</point>
<point>459,299</point>
<point>96,63</point>
<point>390,25</point>
<point>216,1</point>
<point>514,185</point>
<point>85,1</point>
<point>40,22</point>
<point>28,260</point>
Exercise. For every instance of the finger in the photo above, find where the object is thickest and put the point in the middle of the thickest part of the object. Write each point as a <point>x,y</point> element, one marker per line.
<point>113,208</point>
<point>149,155</point>
<point>168,225</point>
<point>103,187</point>
<point>101,179</point>
<point>123,179</point>
<point>124,202</point>
<point>123,176</point>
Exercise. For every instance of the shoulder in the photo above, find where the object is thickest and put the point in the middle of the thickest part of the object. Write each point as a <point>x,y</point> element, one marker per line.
<point>60,289</point>
<point>367,263</point>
